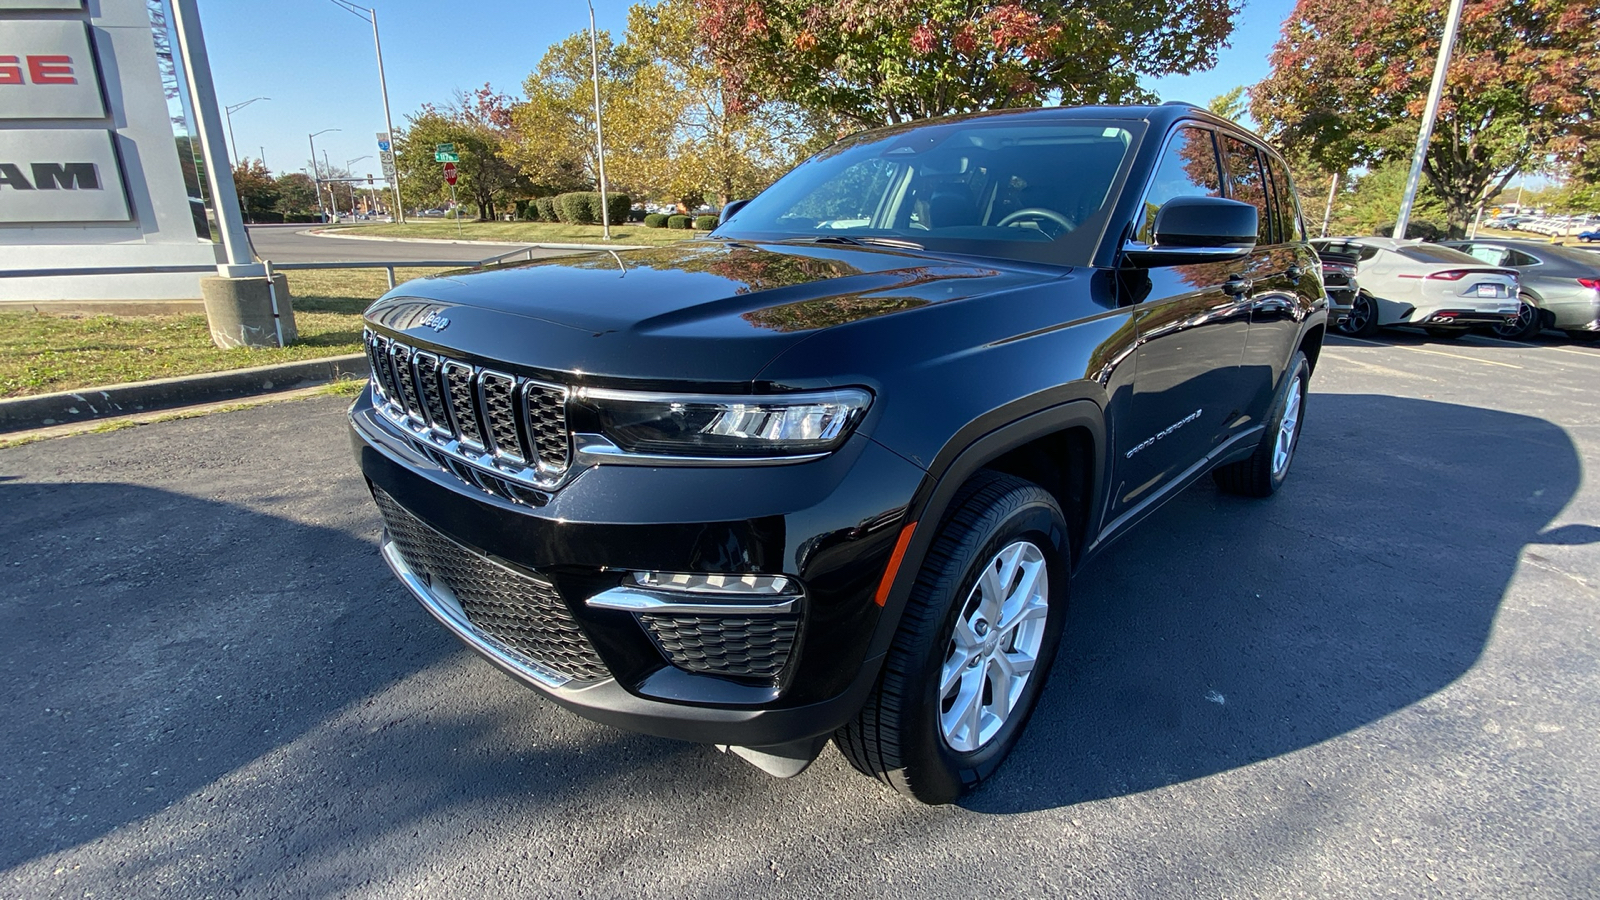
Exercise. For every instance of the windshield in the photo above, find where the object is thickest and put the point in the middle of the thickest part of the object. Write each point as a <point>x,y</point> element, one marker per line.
<point>1433,253</point>
<point>1039,191</point>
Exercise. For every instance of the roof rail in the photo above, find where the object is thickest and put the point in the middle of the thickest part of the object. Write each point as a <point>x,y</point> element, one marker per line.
<point>1183,103</point>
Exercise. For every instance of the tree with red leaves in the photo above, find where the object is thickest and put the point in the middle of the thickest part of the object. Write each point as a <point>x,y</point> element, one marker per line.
<point>1348,88</point>
<point>876,62</point>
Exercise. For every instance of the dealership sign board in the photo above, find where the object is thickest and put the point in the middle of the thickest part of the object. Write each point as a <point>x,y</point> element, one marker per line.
<point>60,176</point>
<point>48,71</point>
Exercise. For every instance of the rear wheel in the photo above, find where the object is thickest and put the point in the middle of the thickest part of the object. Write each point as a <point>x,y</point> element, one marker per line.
<point>1527,324</point>
<point>974,645</point>
<point>1264,472</point>
<point>1363,318</point>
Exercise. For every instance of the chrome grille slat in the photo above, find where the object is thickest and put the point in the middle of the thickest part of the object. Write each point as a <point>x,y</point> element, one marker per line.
<point>512,428</point>
<point>546,406</point>
<point>427,366</point>
<point>400,356</point>
<point>458,379</point>
<point>498,391</point>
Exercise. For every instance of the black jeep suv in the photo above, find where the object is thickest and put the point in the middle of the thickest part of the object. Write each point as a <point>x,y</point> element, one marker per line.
<point>829,472</point>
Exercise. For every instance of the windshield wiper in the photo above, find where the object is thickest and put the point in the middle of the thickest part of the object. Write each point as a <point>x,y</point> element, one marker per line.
<point>898,243</point>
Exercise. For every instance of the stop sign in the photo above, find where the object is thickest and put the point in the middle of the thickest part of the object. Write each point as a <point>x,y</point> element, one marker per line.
<point>450,173</point>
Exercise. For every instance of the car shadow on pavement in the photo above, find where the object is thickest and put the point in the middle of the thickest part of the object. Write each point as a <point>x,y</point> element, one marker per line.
<point>1224,631</point>
<point>176,664</point>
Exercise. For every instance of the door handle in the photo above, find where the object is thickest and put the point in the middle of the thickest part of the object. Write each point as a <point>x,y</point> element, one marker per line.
<point>1237,285</point>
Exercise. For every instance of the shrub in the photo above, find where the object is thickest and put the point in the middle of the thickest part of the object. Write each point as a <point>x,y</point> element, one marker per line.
<point>583,207</point>
<point>547,209</point>
<point>679,222</point>
<point>525,210</point>
<point>617,207</point>
<point>705,223</point>
<point>655,220</point>
<point>572,208</point>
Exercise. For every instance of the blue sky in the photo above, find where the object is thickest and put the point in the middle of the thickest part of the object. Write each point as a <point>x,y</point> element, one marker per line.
<point>316,63</point>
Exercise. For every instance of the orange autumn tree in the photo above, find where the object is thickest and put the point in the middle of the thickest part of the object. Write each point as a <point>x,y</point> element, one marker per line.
<point>1348,88</point>
<point>876,62</point>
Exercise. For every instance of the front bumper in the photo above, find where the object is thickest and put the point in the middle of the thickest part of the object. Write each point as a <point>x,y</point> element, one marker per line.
<point>829,524</point>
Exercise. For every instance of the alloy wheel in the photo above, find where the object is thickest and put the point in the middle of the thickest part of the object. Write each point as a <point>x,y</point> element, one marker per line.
<point>1288,427</point>
<point>994,647</point>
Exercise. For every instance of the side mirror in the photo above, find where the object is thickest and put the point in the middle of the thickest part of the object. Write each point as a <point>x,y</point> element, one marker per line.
<point>1197,230</point>
<point>731,209</point>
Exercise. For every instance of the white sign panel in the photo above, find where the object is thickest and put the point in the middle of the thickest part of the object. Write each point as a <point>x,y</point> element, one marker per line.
<point>60,176</point>
<point>47,71</point>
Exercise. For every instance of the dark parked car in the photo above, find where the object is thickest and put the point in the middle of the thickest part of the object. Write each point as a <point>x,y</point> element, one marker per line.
<point>1560,286</point>
<point>1340,262</point>
<point>829,472</point>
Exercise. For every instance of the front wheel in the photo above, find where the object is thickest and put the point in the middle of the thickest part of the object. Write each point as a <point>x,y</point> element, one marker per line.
<point>1264,472</point>
<point>974,645</point>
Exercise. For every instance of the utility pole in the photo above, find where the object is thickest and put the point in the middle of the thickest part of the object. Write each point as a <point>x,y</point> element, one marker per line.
<point>1441,68</point>
<point>230,110</point>
<point>599,136</point>
<point>316,177</point>
<point>333,193</point>
<point>371,15</point>
<point>1327,214</point>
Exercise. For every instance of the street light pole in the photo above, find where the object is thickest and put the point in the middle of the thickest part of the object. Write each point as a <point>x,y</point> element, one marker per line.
<point>371,15</point>
<point>1441,68</point>
<point>316,178</point>
<point>333,194</point>
<point>599,135</point>
<point>351,184</point>
<point>230,110</point>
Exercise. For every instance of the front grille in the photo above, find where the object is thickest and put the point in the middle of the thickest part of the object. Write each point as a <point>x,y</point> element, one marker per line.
<point>739,646</point>
<point>522,615</point>
<point>516,427</point>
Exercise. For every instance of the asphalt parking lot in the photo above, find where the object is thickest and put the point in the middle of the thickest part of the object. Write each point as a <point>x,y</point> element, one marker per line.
<point>1385,681</point>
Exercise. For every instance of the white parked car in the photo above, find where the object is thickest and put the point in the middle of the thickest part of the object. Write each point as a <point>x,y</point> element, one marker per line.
<point>1443,291</point>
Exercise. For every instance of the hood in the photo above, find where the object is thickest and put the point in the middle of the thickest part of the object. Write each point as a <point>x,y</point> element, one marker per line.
<point>698,312</point>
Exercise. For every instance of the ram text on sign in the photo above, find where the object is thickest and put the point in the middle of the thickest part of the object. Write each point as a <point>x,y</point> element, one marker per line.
<point>48,71</point>
<point>60,176</point>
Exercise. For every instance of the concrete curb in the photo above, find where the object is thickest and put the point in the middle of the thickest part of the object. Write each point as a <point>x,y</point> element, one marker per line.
<point>88,404</point>
<point>517,245</point>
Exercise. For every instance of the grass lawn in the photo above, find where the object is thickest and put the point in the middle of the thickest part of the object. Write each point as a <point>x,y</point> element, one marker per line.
<point>43,353</point>
<point>523,232</point>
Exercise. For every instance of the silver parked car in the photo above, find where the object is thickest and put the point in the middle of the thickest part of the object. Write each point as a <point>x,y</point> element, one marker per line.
<point>1443,291</point>
<point>1560,285</point>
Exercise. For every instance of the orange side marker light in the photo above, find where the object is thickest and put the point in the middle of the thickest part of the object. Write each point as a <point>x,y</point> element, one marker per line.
<point>895,559</point>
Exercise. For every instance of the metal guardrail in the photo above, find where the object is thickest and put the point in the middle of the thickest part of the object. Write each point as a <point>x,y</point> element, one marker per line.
<point>389,266</point>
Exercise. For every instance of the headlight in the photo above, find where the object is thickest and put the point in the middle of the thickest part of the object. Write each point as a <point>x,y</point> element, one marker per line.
<point>770,425</point>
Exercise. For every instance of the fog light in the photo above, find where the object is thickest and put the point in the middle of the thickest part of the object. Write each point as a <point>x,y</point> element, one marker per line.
<point>713,584</point>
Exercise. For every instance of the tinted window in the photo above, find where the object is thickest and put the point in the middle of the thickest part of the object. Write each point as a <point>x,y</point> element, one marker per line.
<point>1433,253</point>
<point>1036,190</point>
<point>1246,182</point>
<point>1518,258</point>
<point>1288,204</point>
<point>1494,256</point>
<point>1188,168</point>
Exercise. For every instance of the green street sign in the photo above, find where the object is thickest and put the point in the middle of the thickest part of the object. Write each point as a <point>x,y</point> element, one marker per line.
<point>444,156</point>
<point>444,148</point>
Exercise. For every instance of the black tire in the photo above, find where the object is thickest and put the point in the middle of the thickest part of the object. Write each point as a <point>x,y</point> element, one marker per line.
<point>1446,334</point>
<point>897,736</point>
<point>1258,476</point>
<point>1363,319</point>
<point>1526,326</point>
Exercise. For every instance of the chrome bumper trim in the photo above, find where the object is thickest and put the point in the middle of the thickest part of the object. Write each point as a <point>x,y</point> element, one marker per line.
<point>439,601</point>
<point>637,601</point>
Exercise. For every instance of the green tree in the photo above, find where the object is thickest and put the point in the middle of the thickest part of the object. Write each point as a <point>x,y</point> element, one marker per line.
<point>479,125</point>
<point>1348,89</point>
<point>258,191</point>
<point>874,62</point>
<point>1232,104</point>
<point>297,196</point>
<point>1370,204</point>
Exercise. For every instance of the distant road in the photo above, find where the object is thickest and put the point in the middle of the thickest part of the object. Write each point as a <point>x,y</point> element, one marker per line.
<point>293,243</point>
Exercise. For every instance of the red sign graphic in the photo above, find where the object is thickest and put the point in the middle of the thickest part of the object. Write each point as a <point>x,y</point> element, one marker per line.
<point>450,173</point>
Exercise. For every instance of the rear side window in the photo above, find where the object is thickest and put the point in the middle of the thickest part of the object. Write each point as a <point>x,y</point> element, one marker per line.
<point>1247,183</point>
<point>1188,168</point>
<point>1288,204</point>
<point>1518,258</point>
